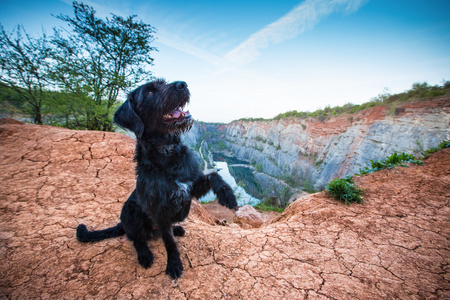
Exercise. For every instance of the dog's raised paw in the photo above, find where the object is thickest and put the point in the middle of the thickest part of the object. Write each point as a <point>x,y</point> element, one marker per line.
<point>174,268</point>
<point>227,198</point>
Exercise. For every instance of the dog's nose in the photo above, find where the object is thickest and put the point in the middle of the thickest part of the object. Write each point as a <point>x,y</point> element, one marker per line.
<point>181,85</point>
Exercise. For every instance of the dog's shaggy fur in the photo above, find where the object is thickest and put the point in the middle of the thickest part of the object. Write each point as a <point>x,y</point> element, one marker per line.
<point>168,173</point>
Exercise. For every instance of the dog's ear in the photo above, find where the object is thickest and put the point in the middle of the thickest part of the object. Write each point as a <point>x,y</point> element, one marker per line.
<point>127,118</point>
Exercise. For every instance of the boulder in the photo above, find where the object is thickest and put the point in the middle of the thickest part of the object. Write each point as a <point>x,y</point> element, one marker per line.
<point>249,217</point>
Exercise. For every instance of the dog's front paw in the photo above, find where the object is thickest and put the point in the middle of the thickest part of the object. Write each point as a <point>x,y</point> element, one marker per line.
<point>146,260</point>
<point>227,198</point>
<point>174,267</point>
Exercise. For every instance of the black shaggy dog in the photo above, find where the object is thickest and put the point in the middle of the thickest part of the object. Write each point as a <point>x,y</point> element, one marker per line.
<point>168,173</point>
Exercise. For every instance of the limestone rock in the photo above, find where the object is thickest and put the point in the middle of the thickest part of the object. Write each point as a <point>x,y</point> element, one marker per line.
<point>247,215</point>
<point>340,145</point>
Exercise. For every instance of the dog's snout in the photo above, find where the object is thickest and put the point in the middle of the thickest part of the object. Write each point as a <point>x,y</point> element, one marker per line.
<point>181,85</point>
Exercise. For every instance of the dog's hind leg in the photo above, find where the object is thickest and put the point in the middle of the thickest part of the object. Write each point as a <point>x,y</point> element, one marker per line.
<point>84,235</point>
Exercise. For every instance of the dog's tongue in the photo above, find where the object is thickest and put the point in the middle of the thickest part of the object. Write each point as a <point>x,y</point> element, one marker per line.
<point>178,113</point>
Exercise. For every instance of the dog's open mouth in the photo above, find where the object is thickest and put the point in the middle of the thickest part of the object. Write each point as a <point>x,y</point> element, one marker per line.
<point>178,115</point>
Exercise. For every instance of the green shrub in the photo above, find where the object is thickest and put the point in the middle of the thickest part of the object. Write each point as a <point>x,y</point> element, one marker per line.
<point>395,160</point>
<point>307,186</point>
<point>344,190</point>
<point>220,146</point>
<point>317,163</point>
<point>264,207</point>
<point>269,205</point>
<point>291,179</point>
<point>442,145</point>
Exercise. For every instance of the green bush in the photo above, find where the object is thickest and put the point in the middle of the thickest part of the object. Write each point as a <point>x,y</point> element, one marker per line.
<point>307,186</point>
<point>317,163</point>
<point>395,160</point>
<point>269,204</point>
<point>220,146</point>
<point>265,207</point>
<point>259,167</point>
<point>344,190</point>
<point>442,145</point>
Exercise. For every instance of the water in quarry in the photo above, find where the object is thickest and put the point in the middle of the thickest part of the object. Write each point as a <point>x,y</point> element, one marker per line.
<point>243,198</point>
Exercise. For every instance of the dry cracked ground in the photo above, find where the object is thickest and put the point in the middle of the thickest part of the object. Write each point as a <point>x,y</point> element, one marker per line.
<point>395,245</point>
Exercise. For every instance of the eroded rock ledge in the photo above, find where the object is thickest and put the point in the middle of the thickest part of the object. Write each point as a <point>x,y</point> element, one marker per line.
<point>395,245</point>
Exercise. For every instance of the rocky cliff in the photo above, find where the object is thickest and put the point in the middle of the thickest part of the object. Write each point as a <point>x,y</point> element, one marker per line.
<point>318,151</point>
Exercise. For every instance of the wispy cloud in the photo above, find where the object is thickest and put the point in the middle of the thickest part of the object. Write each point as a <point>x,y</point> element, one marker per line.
<point>174,41</point>
<point>300,19</point>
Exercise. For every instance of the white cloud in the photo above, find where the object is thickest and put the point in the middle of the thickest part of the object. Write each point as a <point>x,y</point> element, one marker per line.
<point>301,18</point>
<point>174,41</point>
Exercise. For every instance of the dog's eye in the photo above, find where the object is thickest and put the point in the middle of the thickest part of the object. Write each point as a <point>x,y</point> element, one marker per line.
<point>150,93</point>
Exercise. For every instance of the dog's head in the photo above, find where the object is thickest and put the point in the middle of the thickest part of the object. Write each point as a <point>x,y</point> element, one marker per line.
<point>156,108</point>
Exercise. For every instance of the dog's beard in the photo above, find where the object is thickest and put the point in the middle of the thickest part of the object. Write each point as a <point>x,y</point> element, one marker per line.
<point>177,119</point>
<point>179,127</point>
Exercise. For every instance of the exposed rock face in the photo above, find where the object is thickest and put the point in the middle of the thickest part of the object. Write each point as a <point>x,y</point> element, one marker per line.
<point>250,217</point>
<point>194,136</point>
<point>320,151</point>
<point>191,138</point>
<point>394,246</point>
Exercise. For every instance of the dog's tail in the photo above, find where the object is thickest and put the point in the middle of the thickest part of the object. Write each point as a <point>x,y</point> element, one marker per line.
<point>84,235</point>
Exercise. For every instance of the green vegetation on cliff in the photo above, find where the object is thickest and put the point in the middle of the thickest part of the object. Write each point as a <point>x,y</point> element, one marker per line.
<point>343,189</point>
<point>418,92</point>
<point>442,145</point>
<point>392,161</point>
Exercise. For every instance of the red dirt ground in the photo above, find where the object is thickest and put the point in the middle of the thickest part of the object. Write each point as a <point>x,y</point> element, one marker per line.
<point>395,245</point>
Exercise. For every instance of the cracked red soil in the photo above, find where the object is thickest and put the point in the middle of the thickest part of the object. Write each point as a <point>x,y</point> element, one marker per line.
<point>395,245</point>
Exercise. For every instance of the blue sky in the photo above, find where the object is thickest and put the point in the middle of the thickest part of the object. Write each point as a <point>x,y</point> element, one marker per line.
<point>261,58</point>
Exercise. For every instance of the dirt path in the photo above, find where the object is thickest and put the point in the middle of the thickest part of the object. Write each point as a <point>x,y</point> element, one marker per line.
<point>395,245</point>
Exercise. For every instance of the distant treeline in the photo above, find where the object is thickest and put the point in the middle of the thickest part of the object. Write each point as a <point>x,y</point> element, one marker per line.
<point>418,91</point>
